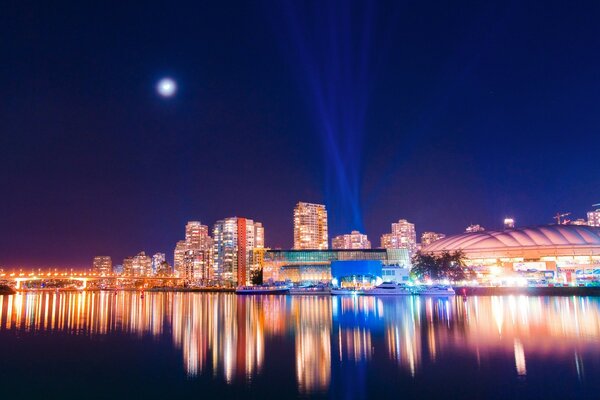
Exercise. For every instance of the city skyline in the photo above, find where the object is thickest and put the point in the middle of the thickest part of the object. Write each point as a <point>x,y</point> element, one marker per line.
<point>114,148</point>
<point>197,248</point>
<point>300,199</point>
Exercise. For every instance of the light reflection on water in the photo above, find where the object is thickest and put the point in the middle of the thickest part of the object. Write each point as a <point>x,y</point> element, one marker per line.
<point>230,336</point>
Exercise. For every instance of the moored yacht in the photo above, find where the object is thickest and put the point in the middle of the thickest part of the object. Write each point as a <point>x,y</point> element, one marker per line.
<point>310,289</point>
<point>389,289</point>
<point>262,289</point>
<point>435,290</point>
<point>346,291</point>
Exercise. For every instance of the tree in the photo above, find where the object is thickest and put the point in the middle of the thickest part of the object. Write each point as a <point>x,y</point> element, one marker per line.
<point>447,265</point>
<point>425,265</point>
<point>256,276</point>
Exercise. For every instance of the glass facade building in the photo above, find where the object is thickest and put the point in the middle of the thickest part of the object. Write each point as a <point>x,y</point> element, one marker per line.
<point>315,265</point>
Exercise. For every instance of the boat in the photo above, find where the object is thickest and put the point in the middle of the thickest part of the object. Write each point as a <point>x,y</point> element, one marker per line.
<point>435,290</point>
<point>262,290</point>
<point>389,289</point>
<point>311,289</point>
<point>345,291</point>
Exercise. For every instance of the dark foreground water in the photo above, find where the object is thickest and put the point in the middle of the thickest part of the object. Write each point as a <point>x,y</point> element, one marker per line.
<point>195,345</point>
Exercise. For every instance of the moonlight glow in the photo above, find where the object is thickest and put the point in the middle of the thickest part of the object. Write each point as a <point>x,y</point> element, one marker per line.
<point>166,87</point>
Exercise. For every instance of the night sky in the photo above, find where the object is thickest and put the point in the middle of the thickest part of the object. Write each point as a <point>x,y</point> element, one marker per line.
<point>442,113</point>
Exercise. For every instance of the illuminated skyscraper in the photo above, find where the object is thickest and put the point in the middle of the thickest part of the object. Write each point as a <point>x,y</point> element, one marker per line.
<point>354,240</point>
<point>102,265</point>
<point>128,266</point>
<point>429,237</point>
<point>234,240</point>
<point>193,256</point>
<point>196,235</point>
<point>141,265</point>
<point>594,217</point>
<point>310,227</point>
<point>403,236</point>
<point>180,249</point>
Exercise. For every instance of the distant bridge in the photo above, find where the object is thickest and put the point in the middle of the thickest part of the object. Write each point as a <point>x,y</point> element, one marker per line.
<point>18,279</point>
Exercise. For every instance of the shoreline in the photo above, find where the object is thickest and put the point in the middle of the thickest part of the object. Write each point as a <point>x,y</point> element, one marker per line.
<point>460,291</point>
<point>526,291</point>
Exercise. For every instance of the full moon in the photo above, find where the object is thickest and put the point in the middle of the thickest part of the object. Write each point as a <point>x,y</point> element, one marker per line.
<point>166,87</point>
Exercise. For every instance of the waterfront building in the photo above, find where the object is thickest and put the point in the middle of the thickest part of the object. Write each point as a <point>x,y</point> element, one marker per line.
<point>303,266</point>
<point>141,265</point>
<point>128,266</point>
<point>102,265</point>
<point>193,256</point>
<point>157,260</point>
<point>234,241</point>
<point>310,226</point>
<point>164,270</point>
<point>593,217</point>
<point>258,258</point>
<point>474,228</point>
<point>562,252</point>
<point>403,236</point>
<point>196,265</point>
<point>509,223</point>
<point>196,235</point>
<point>429,237</point>
<point>179,254</point>
<point>353,240</point>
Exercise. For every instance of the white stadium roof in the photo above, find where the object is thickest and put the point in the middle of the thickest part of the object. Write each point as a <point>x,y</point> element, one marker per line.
<point>569,238</point>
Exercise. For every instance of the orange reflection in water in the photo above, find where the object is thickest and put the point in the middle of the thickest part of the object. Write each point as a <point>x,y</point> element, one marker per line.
<point>229,336</point>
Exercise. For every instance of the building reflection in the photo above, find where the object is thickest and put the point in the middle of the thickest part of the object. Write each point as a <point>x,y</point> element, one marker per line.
<point>232,337</point>
<point>312,327</point>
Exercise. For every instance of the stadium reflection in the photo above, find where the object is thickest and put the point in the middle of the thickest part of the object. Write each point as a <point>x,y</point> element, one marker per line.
<point>232,337</point>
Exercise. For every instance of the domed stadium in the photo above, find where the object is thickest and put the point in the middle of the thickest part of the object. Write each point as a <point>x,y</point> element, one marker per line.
<point>567,250</point>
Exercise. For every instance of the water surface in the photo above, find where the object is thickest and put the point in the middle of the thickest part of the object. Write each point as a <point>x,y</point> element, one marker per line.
<point>204,345</point>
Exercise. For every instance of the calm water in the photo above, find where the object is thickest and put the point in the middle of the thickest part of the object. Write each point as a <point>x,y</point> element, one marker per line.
<point>195,345</point>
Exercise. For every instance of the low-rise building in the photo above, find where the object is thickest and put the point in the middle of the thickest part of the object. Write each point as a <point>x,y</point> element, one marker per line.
<point>561,252</point>
<point>301,266</point>
<point>102,265</point>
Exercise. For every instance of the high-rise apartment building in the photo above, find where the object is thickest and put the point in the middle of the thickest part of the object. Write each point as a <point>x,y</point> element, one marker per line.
<point>429,237</point>
<point>179,254</point>
<point>128,266</point>
<point>141,265</point>
<point>196,234</point>
<point>353,240</point>
<point>102,265</point>
<point>403,236</point>
<point>474,228</point>
<point>593,217</point>
<point>234,242</point>
<point>193,256</point>
<point>310,227</point>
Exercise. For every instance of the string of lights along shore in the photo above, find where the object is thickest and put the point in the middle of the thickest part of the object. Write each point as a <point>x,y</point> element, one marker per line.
<point>233,252</point>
